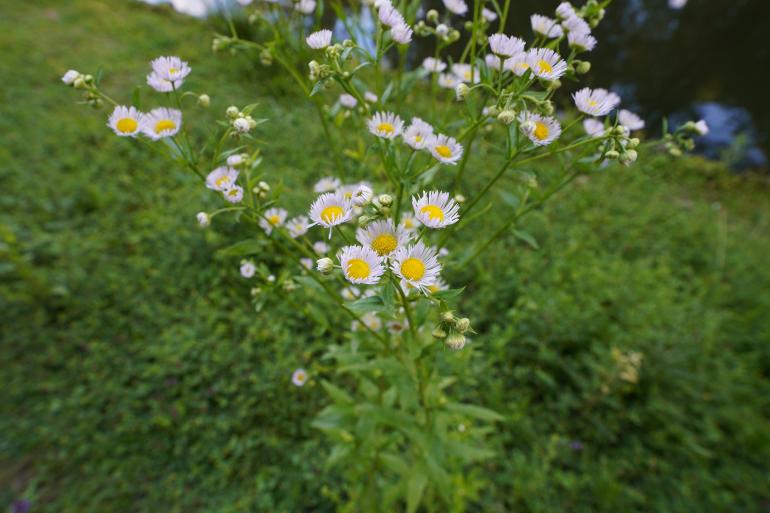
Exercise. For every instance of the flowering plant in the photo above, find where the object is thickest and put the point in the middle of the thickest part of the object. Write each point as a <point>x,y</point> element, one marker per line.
<point>377,245</point>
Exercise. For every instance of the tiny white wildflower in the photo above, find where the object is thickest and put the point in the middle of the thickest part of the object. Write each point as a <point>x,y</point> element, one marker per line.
<point>70,76</point>
<point>448,80</point>
<point>546,63</point>
<point>546,26</point>
<point>327,184</point>
<point>125,121</point>
<point>630,120</point>
<point>458,7</point>
<point>416,265</point>
<point>702,127</point>
<point>222,178</point>
<point>593,127</point>
<point>161,122</point>
<point>248,269</point>
<point>382,236</point>
<point>390,17</point>
<point>362,195</point>
<point>401,34</point>
<point>273,218</point>
<point>541,130</point>
<point>234,194</point>
<point>581,42</point>
<point>435,209</point>
<point>488,14</point>
<point>505,46</point>
<point>433,65</point>
<point>518,64</point>
<point>445,149</point>
<point>386,125</point>
<point>299,377</point>
<point>595,102</point>
<point>348,101</point>
<point>331,209</point>
<point>305,6</point>
<point>361,265</point>
<point>319,39</point>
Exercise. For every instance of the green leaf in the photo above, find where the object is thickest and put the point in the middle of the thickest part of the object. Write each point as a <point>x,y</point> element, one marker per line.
<point>242,248</point>
<point>415,488</point>
<point>478,412</point>
<point>366,305</point>
<point>510,199</point>
<point>336,393</point>
<point>445,295</point>
<point>526,237</point>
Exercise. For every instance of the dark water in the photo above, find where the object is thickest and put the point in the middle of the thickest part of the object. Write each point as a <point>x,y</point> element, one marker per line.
<point>709,60</point>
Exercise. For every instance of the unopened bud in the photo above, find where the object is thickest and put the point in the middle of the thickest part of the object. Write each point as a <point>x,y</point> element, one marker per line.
<point>439,333</point>
<point>632,143</point>
<point>463,324</point>
<point>447,316</point>
<point>442,30</point>
<point>79,83</point>
<point>554,84</point>
<point>232,112</point>
<point>582,67</point>
<point>385,200</point>
<point>612,154</point>
<point>432,16</point>
<point>363,220</point>
<point>547,107</point>
<point>203,219</point>
<point>459,198</point>
<point>455,341</point>
<point>461,91</point>
<point>631,155</point>
<point>204,100</point>
<point>264,186</point>
<point>507,117</point>
<point>324,265</point>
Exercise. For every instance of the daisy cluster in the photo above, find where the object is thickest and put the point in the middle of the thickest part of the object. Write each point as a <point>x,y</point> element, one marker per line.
<point>418,135</point>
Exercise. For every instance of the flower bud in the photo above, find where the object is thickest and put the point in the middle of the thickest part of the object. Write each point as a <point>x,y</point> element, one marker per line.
<point>507,116</point>
<point>459,198</point>
<point>70,76</point>
<point>232,112</point>
<point>265,57</point>
<point>455,341</point>
<point>582,67</point>
<point>461,91</point>
<point>701,127</point>
<point>432,16</point>
<point>442,30</point>
<point>674,151</point>
<point>348,43</point>
<point>385,200</point>
<point>203,219</point>
<point>89,79</point>
<point>79,83</point>
<point>454,35</point>
<point>554,84</point>
<point>204,101</point>
<point>631,155</point>
<point>439,333</point>
<point>547,107</point>
<point>363,220</point>
<point>493,111</point>
<point>324,265</point>
<point>234,160</point>
<point>632,143</point>
<point>264,186</point>
<point>612,155</point>
<point>448,316</point>
<point>242,125</point>
<point>463,324</point>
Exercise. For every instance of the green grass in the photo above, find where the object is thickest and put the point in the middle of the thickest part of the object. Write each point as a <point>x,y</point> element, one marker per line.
<point>138,376</point>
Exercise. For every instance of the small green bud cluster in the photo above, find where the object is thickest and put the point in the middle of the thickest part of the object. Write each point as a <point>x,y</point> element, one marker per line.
<point>452,330</point>
<point>443,32</point>
<point>682,139</point>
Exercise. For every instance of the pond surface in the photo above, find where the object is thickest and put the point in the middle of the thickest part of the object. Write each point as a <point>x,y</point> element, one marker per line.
<point>709,59</point>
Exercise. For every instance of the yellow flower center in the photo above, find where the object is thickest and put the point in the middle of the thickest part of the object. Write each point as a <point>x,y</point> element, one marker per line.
<point>592,103</point>
<point>433,288</point>
<point>386,128</point>
<point>408,223</point>
<point>358,269</point>
<point>233,192</point>
<point>418,138</point>
<point>384,244</point>
<point>329,214</point>
<point>274,219</point>
<point>127,125</point>
<point>412,269</point>
<point>163,125</point>
<point>222,180</point>
<point>433,211</point>
<point>301,377</point>
<point>467,75</point>
<point>347,195</point>
<point>443,150</point>
<point>541,130</point>
<point>544,66</point>
<point>172,71</point>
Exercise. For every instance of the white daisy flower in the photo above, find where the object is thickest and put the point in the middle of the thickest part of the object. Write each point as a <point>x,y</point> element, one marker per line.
<point>595,102</point>
<point>630,120</point>
<point>448,80</point>
<point>273,218</point>
<point>546,26</point>
<point>546,64</point>
<point>390,17</point>
<point>565,11</point>
<point>320,247</point>
<point>581,42</point>
<point>418,133</point>
<point>541,130</point>
<point>248,268</point>
<point>397,327</point>
<point>70,76</point>
<point>702,127</point>
<point>401,34</point>
<point>160,84</point>
<point>307,263</point>
<point>350,293</point>
<point>463,72</point>
<point>305,6</point>
<point>439,284</point>
<point>518,64</point>
<point>488,14</point>
<point>409,223</point>
<point>171,69</point>
<point>505,46</point>
<point>234,194</point>
<point>327,184</point>
<point>348,101</point>
<point>493,62</point>
<point>416,265</point>
<point>319,39</point>
<point>435,209</point>
<point>125,121</point>
<point>383,237</point>
<point>458,7</point>
<point>370,97</point>
<point>445,149</point>
<point>370,320</point>
<point>386,125</point>
<point>299,377</point>
<point>433,65</point>
<point>577,25</point>
<point>360,265</point>
<point>222,178</point>
<point>362,195</point>
<point>161,122</point>
<point>594,127</point>
<point>331,209</point>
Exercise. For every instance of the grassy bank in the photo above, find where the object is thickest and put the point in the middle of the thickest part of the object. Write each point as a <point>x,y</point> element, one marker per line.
<point>138,376</point>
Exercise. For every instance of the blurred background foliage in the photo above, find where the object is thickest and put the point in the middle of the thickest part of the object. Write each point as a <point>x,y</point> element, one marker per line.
<point>626,342</point>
